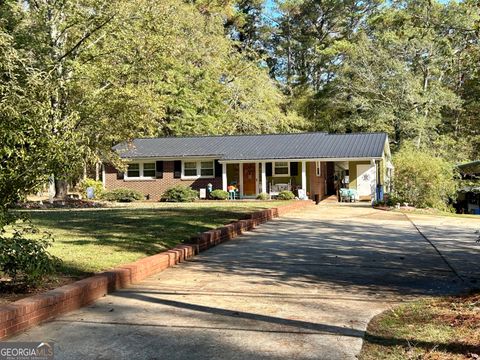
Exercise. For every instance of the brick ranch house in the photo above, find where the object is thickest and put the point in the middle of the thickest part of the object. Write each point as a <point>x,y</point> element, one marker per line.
<point>314,163</point>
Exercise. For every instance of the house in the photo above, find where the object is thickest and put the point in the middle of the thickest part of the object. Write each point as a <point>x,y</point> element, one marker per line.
<point>306,163</point>
<point>468,199</point>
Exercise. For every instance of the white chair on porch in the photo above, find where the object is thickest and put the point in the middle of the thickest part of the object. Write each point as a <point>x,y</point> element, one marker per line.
<point>275,189</point>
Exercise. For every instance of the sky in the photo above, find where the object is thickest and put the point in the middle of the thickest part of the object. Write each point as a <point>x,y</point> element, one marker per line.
<point>270,6</point>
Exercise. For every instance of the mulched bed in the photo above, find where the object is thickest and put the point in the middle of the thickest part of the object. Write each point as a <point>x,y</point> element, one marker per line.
<point>60,204</point>
<point>10,292</point>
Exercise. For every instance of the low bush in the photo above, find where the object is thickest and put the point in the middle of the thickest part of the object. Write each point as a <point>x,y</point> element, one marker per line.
<point>219,195</point>
<point>391,199</point>
<point>263,196</point>
<point>285,195</point>
<point>122,195</point>
<point>96,185</point>
<point>24,258</point>
<point>180,193</point>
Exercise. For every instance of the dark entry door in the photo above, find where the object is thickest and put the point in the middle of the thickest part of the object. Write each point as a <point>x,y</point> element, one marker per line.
<point>331,178</point>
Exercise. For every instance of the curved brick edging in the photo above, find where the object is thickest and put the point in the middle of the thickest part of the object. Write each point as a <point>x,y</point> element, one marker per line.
<point>28,312</point>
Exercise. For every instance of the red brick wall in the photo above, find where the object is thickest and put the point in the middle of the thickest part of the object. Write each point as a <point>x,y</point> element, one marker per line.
<point>317,183</point>
<point>156,187</point>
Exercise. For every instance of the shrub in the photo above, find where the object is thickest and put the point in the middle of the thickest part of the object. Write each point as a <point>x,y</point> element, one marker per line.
<point>219,195</point>
<point>26,260</point>
<point>286,195</point>
<point>122,195</point>
<point>422,179</point>
<point>392,200</point>
<point>96,185</point>
<point>180,193</point>
<point>263,196</point>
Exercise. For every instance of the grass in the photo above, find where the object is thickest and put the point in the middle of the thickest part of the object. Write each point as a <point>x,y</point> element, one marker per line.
<point>440,328</point>
<point>91,240</point>
<point>436,212</point>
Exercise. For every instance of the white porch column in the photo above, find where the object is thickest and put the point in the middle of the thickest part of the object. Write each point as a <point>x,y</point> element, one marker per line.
<point>257,177</point>
<point>264,178</point>
<point>241,178</point>
<point>224,177</point>
<point>304,176</point>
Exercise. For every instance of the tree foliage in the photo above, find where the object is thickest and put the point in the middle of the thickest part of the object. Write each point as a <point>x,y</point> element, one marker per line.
<point>423,180</point>
<point>409,68</point>
<point>92,73</point>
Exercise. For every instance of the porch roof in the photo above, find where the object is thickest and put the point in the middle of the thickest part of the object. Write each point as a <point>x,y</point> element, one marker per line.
<point>259,147</point>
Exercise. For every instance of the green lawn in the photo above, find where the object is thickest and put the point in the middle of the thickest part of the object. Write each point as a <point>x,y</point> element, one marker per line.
<point>89,240</point>
<point>441,328</point>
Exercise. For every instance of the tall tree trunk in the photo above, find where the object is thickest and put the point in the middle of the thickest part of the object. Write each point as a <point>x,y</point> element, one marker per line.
<point>61,189</point>
<point>97,171</point>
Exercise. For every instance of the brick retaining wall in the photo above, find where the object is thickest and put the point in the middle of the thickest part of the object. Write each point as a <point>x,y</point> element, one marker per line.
<point>26,313</point>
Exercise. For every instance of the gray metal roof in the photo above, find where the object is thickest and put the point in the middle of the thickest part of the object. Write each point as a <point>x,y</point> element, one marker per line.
<point>258,147</point>
<point>470,168</point>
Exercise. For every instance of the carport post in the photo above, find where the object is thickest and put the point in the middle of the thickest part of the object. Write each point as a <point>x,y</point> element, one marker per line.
<point>224,177</point>
<point>304,176</point>
<point>264,178</point>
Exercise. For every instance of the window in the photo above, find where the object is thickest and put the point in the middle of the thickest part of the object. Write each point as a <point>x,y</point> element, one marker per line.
<point>318,168</point>
<point>195,169</point>
<point>190,168</point>
<point>141,170</point>
<point>281,168</point>
<point>148,169</point>
<point>133,170</point>
<point>206,168</point>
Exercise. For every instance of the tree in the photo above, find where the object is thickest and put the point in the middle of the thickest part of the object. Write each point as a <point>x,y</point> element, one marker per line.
<point>124,69</point>
<point>423,180</point>
<point>28,147</point>
<point>399,75</point>
<point>306,30</point>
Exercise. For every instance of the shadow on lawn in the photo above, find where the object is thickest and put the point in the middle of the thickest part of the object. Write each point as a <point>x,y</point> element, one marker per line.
<point>143,231</point>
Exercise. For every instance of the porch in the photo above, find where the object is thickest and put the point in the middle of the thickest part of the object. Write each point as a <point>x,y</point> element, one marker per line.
<point>306,178</point>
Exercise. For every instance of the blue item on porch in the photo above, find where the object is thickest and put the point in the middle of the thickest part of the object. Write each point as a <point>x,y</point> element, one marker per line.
<point>476,211</point>
<point>380,192</point>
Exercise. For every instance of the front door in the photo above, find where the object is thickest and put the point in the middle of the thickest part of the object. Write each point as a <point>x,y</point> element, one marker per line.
<point>249,179</point>
<point>365,180</point>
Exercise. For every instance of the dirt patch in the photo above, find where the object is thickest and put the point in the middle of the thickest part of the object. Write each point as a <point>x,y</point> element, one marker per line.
<point>60,204</point>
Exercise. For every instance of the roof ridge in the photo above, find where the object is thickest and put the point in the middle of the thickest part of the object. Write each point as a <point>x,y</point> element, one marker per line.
<point>245,135</point>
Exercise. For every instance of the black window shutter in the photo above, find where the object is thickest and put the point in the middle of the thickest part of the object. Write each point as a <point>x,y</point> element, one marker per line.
<point>120,175</point>
<point>177,169</point>
<point>268,169</point>
<point>159,170</point>
<point>294,168</point>
<point>218,169</point>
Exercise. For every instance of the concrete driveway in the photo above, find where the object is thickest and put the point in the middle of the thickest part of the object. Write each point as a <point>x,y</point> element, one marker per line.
<point>300,287</point>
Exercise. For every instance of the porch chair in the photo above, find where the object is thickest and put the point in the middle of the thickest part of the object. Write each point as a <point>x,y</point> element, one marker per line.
<point>275,189</point>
